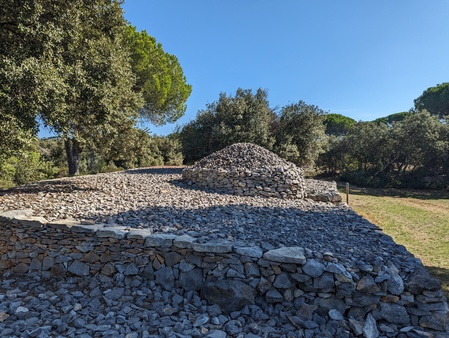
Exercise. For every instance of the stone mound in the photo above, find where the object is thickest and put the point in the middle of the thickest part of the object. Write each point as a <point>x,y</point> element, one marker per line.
<point>246,169</point>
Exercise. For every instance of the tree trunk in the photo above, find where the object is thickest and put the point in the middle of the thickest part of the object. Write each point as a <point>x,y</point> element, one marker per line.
<point>73,150</point>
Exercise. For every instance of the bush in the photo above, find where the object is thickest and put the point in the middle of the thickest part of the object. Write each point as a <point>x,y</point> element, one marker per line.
<point>24,168</point>
<point>370,179</point>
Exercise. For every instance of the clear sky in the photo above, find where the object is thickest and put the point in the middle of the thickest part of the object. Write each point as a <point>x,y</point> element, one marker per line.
<point>360,58</point>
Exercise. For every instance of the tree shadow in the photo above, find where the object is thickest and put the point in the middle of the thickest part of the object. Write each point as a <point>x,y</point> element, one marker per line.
<point>185,185</point>
<point>335,230</point>
<point>49,186</point>
<point>155,171</point>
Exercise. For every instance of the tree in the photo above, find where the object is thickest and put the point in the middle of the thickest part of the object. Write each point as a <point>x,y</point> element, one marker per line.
<point>300,125</point>
<point>392,118</point>
<point>366,142</point>
<point>413,152</point>
<point>69,63</point>
<point>63,61</point>
<point>245,117</point>
<point>435,100</point>
<point>160,78</point>
<point>337,124</point>
<point>421,143</point>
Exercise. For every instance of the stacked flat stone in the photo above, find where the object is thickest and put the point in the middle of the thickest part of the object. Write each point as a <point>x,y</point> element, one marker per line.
<point>245,169</point>
<point>311,294</point>
<point>322,191</point>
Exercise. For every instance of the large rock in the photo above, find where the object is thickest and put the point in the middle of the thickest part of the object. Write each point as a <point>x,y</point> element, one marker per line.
<point>422,280</point>
<point>192,279</point>
<point>323,191</point>
<point>394,313</point>
<point>229,295</point>
<point>286,255</point>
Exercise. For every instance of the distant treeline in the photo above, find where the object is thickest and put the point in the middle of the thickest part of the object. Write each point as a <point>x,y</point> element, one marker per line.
<point>407,149</point>
<point>90,77</point>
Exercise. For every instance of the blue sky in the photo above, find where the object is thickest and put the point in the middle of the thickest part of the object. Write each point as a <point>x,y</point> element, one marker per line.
<point>363,59</point>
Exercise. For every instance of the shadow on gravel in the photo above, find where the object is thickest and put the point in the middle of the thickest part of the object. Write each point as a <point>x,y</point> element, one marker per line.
<point>183,185</point>
<point>53,186</point>
<point>156,171</point>
<point>333,230</point>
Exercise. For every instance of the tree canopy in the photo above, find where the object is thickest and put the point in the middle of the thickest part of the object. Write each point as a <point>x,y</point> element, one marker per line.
<point>435,100</point>
<point>300,133</point>
<point>244,117</point>
<point>295,133</point>
<point>160,78</point>
<point>337,124</point>
<point>392,118</point>
<point>69,62</point>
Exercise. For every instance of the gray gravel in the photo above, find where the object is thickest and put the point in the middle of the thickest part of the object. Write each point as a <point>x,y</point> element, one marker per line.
<point>158,199</point>
<point>95,307</point>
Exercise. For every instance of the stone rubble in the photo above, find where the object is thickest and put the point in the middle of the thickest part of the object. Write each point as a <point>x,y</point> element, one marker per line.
<point>385,292</point>
<point>246,169</point>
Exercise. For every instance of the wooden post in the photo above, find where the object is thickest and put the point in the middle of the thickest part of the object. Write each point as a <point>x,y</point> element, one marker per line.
<point>347,193</point>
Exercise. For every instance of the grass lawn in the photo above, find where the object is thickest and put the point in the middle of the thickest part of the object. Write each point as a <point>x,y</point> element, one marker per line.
<point>418,220</point>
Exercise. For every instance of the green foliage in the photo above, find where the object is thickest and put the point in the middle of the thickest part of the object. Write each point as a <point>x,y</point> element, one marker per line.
<point>334,158</point>
<point>13,137</point>
<point>160,78</point>
<point>62,61</point>
<point>132,148</point>
<point>25,166</point>
<point>411,153</point>
<point>52,150</point>
<point>85,72</point>
<point>300,126</point>
<point>435,100</point>
<point>245,117</point>
<point>171,149</point>
<point>392,118</point>
<point>337,124</point>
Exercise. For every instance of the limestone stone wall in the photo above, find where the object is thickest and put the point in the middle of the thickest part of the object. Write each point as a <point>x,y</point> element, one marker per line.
<point>376,298</point>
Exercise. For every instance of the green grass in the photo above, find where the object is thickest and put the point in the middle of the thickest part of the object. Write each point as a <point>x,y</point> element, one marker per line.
<point>417,220</point>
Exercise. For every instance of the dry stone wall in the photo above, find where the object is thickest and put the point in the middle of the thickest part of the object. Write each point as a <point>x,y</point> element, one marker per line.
<point>376,300</point>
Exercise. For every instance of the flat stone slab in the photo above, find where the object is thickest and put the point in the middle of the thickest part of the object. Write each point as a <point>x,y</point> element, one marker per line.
<point>89,228</point>
<point>24,217</point>
<point>20,213</point>
<point>250,251</point>
<point>63,224</point>
<point>139,233</point>
<point>294,254</point>
<point>215,247</point>
<point>184,242</point>
<point>160,240</point>
<point>34,221</point>
<point>112,232</point>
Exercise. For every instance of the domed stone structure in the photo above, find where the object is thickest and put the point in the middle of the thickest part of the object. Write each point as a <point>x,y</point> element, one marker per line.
<point>246,169</point>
